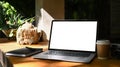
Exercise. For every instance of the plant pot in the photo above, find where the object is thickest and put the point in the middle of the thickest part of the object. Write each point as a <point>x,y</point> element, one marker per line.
<point>10,33</point>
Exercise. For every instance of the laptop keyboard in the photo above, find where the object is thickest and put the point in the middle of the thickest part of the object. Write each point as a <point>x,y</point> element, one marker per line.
<point>68,53</point>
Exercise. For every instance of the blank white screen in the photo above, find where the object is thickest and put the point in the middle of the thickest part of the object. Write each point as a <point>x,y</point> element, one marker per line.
<point>73,35</point>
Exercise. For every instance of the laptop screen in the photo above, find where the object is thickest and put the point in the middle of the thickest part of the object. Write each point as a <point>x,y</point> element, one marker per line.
<point>73,35</point>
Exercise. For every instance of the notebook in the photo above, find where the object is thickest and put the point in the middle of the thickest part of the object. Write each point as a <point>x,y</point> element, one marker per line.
<point>24,52</point>
<point>71,40</point>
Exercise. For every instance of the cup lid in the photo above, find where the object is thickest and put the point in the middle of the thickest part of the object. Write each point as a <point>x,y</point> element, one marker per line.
<point>103,42</point>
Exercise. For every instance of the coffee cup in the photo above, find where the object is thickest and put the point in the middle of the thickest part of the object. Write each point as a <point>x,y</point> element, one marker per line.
<point>103,49</point>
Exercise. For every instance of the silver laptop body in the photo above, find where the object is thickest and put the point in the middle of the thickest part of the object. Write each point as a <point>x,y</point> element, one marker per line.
<point>71,40</point>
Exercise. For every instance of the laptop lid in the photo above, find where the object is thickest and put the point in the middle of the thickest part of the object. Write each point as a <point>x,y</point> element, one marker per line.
<point>78,35</point>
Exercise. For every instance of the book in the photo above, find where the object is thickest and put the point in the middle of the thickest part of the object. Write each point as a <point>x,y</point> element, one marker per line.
<point>24,52</point>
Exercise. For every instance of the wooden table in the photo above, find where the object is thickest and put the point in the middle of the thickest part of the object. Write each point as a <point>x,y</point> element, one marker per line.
<point>6,45</point>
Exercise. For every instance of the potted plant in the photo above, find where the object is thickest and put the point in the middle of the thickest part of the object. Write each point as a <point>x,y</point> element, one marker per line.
<point>10,19</point>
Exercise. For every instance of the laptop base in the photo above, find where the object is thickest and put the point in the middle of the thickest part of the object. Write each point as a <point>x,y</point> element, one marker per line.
<point>65,58</point>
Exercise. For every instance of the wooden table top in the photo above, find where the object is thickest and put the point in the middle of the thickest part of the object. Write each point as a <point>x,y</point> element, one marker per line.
<point>6,45</point>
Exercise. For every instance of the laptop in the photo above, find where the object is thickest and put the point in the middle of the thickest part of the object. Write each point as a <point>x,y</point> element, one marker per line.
<point>71,40</point>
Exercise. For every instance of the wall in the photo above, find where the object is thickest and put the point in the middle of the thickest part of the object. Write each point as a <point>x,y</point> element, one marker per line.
<point>55,8</point>
<point>38,6</point>
<point>46,11</point>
